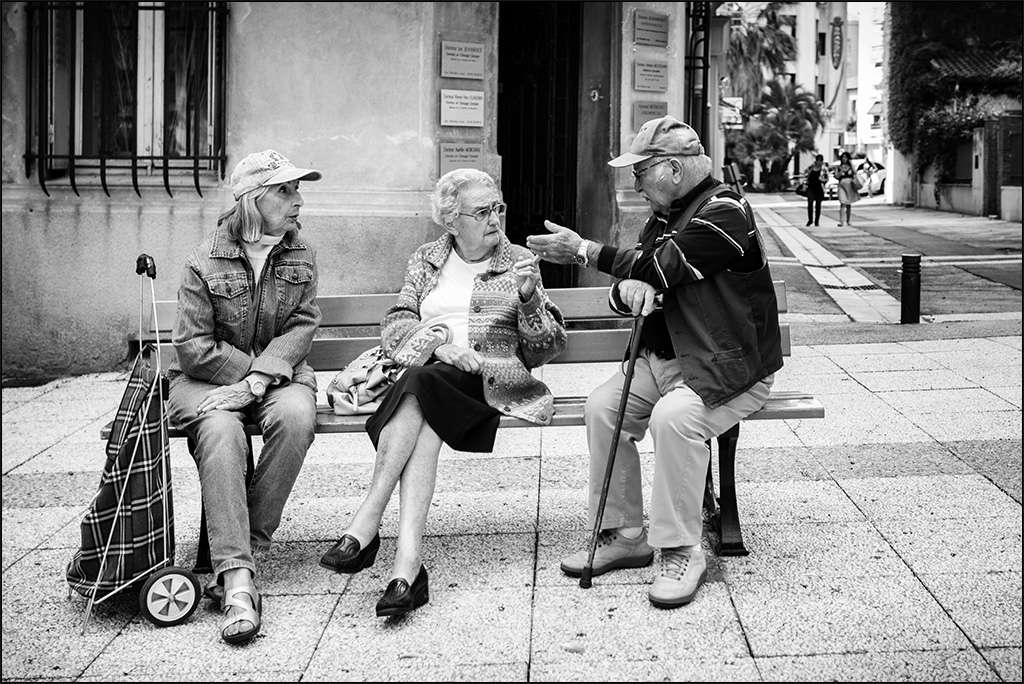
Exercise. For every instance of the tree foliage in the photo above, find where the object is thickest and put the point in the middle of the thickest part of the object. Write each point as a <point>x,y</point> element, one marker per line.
<point>786,120</point>
<point>922,31</point>
<point>941,129</point>
<point>757,43</point>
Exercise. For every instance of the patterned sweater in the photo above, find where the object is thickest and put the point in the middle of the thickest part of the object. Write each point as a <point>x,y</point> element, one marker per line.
<point>510,335</point>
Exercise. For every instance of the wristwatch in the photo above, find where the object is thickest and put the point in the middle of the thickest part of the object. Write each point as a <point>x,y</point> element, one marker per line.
<point>581,254</point>
<point>257,386</point>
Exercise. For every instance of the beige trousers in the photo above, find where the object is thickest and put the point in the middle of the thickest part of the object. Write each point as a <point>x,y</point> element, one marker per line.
<point>680,424</point>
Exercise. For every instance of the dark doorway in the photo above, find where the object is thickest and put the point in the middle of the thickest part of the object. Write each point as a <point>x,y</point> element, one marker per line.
<point>538,90</point>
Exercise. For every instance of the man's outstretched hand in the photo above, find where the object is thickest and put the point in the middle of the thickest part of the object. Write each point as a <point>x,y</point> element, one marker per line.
<point>559,246</point>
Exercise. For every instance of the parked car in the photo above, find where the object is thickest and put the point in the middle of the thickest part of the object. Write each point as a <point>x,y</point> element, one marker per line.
<point>832,186</point>
<point>872,180</point>
<point>871,183</point>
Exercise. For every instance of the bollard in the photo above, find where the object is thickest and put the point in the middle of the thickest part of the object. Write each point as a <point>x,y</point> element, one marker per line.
<point>910,292</point>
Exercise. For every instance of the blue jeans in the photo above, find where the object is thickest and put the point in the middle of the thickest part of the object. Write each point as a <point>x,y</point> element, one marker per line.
<point>241,521</point>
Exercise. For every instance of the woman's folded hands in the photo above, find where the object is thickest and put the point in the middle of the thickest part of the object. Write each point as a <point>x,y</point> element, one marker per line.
<point>460,357</point>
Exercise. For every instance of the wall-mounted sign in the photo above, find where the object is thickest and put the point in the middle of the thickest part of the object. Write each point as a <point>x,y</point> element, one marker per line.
<point>462,108</point>
<point>729,109</point>
<point>459,155</point>
<point>837,42</point>
<point>645,111</point>
<point>650,76</point>
<point>462,60</point>
<point>650,28</point>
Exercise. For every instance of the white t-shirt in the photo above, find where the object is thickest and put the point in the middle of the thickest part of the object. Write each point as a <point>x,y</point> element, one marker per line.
<point>258,253</point>
<point>448,302</point>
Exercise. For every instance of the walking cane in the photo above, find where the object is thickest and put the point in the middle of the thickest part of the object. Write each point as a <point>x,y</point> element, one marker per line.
<point>634,349</point>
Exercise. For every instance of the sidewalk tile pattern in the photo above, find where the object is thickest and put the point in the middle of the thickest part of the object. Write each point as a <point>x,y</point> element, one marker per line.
<point>885,544</point>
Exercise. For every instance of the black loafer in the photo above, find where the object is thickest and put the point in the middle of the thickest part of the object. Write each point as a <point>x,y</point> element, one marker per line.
<point>400,598</point>
<point>347,557</point>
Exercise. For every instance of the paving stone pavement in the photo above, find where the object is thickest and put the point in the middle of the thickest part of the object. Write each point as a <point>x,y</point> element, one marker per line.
<point>885,544</point>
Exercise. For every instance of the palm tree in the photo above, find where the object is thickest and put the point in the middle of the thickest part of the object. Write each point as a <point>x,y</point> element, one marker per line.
<point>786,121</point>
<point>757,46</point>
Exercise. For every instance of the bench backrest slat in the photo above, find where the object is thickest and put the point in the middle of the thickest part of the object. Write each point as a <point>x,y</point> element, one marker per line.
<point>368,309</point>
<point>577,304</point>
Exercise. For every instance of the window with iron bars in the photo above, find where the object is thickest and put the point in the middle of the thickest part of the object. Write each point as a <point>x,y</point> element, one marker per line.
<point>125,92</point>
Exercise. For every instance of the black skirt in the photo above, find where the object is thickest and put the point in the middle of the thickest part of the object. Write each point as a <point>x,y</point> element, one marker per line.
<point>452,402</point>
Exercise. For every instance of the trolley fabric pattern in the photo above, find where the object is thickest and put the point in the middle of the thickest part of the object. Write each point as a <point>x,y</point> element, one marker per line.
<point>130,502</point>
<point>128,531</point>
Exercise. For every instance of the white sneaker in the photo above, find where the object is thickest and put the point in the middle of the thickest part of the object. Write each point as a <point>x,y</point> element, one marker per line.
<point>683,570</point>
<point>613,551</point>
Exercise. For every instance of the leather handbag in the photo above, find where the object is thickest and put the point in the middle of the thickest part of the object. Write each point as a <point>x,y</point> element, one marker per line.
<point>801,189</point>
<point>361,385</point>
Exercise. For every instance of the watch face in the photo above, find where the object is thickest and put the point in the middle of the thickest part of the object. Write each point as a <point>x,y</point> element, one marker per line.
<point>579,260</point>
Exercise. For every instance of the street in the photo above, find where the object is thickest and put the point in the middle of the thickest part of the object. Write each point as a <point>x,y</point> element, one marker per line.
<point>840,276</point>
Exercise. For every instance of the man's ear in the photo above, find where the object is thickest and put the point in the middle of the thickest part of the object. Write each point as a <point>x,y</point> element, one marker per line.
<point>677,169</point>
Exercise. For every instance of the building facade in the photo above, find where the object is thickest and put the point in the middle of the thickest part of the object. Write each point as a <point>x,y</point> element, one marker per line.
<point>121,123</point>
<point>865,85</point>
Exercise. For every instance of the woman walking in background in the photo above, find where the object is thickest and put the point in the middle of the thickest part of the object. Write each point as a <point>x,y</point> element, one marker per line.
<point>848,186</point>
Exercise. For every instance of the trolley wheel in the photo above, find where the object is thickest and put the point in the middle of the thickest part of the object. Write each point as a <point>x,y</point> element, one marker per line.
<point>169,596</point>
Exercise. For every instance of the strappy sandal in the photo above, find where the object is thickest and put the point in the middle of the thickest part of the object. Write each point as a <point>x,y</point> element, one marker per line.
<point>215,592</point>
<point>245,613</point>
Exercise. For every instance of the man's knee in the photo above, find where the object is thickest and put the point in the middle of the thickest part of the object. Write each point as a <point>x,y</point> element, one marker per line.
<point>683,418</point>
<point>603,403</point>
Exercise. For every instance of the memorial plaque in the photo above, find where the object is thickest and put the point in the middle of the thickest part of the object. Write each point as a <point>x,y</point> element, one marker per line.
<point>650,76</point>
<point>459,155</point>
<point>462,108</point>
<point>645,111</point>
<point>462,60</point>
<point>650,28</point>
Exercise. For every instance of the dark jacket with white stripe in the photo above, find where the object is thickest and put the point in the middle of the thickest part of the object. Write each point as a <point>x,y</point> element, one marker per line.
<point>719,314</point>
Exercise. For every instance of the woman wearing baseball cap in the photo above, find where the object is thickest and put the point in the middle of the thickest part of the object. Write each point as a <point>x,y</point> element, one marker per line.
<point>247,314</point>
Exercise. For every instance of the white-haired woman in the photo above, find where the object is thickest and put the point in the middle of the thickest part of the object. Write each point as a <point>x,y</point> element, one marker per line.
<point>247,314</point>
<point>470,322</point>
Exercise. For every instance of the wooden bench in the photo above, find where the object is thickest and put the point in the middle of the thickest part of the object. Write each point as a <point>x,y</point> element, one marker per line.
<point>595,334</point>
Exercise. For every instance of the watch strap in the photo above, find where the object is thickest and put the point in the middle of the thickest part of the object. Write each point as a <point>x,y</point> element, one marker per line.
<point>257,386</point>
<point>581,253</point>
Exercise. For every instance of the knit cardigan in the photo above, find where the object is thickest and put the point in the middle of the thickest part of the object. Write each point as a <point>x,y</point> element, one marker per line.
<point>510,335</point>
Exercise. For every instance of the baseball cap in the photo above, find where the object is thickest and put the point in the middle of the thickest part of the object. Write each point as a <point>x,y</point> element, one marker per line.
<point>660,137</point>
<point>266,168</point>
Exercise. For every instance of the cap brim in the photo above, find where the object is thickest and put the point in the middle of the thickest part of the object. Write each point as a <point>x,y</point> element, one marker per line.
<point>628,159</point>
<point>293,173</point>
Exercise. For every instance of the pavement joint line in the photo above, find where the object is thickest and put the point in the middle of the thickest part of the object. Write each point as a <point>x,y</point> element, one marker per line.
<point>858,297</point>
<point>1010,258</point>
<point>983,316</point>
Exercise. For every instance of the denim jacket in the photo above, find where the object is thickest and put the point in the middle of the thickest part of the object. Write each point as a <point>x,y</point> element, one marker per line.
<point>227,327</point>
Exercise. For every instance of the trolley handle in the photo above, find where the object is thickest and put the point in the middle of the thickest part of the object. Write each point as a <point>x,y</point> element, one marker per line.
<point>144,264</point>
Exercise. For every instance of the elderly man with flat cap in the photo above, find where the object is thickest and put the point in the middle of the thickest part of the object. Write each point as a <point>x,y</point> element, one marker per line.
<point>709,350</point>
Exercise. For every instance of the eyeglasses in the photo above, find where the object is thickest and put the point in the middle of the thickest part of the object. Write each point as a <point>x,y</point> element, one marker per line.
<point>638,174</point>
<point>483,213</point>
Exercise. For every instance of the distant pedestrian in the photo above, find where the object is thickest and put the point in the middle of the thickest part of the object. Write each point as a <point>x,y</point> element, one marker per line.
<point>849,186</point>
<point>815,179</point>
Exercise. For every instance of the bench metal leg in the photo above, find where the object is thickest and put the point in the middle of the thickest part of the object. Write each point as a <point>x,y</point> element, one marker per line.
<point>204,565</point>
<point>710,500</point>
<point>729,534</point>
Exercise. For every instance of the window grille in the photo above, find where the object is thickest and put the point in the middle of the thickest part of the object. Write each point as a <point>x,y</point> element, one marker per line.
<point>125,89</point>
